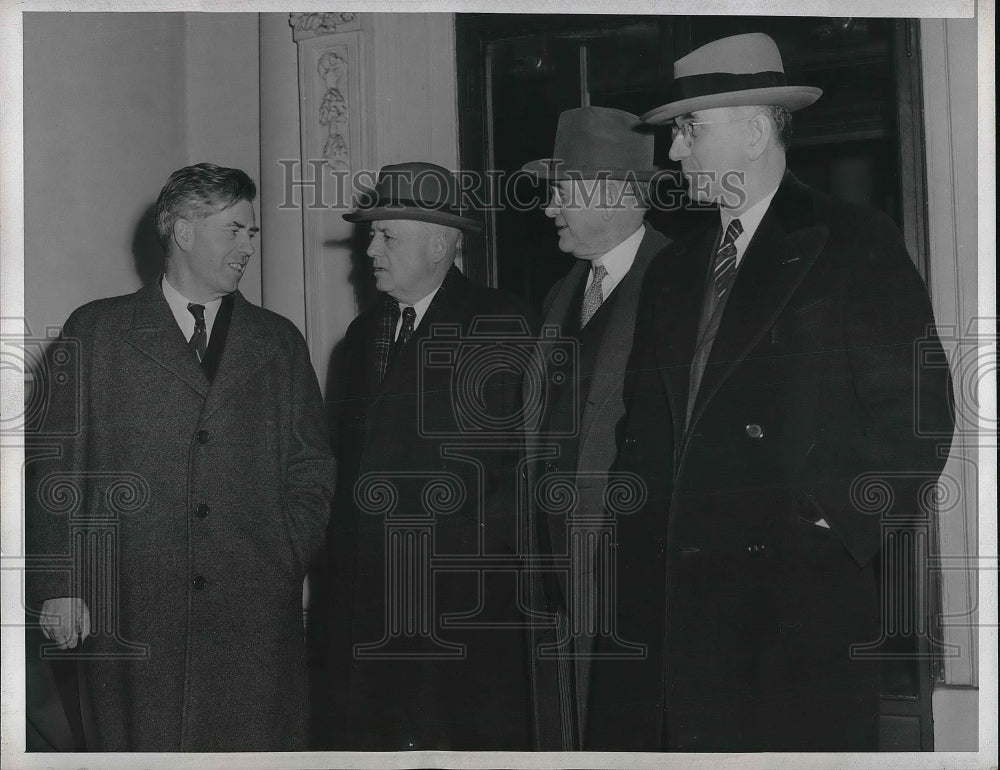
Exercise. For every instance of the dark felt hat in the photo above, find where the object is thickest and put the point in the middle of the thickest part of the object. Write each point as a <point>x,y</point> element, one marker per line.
<point>737,71</point>
<point>598,143</point>
<point>423,192</point>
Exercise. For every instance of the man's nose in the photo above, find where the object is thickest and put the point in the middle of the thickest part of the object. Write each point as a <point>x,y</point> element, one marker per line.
<point>550,209</point>
<point>680,147</point>
<point>246,247</point>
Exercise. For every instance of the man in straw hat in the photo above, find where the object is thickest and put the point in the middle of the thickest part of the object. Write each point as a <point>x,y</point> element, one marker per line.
<point>598,179</point>
<point>417,659</point>
<point>777,373</point>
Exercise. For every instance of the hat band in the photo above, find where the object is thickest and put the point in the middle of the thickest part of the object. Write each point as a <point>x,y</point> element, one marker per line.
<point>410,203</point>
<point>712,83</point>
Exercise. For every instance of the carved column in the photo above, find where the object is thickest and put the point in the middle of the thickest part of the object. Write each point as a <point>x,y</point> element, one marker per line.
<point>374,89</point>
<point>334,150</point>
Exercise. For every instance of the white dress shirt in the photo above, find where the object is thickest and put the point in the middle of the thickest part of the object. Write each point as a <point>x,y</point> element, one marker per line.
<point>617,262</point>
<point>420,307</point>
<point>179,307</point>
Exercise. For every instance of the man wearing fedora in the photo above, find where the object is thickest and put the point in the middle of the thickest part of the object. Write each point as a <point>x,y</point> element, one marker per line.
<point>417,660</point>
<point>772,397</point>
<point>598,179</point>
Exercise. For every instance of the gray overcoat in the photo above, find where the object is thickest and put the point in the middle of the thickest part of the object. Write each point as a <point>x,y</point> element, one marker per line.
<point>193,510</point>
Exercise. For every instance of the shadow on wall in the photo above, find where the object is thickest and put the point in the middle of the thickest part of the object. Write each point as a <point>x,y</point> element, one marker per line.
<point>365,294</point>
<point>146,250</point>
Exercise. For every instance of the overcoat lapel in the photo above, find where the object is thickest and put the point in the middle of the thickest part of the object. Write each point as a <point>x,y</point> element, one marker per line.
<point>249,347</point>
<point>402,376</point>
<point>155,333</point>
<point>571,287</point>
<point>562,306</point>
<point>780,255</point>
<point>676,310</point>
<point>616,344</point>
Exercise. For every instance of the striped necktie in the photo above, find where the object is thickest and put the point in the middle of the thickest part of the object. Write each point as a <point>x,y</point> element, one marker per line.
<point>725,260</point>
<point>199,340</point>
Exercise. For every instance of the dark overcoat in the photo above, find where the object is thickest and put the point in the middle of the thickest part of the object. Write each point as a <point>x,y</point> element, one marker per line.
<point>195,509</point>
<point>559,685</point>
<point>748,574</point>
<point>450,671</point>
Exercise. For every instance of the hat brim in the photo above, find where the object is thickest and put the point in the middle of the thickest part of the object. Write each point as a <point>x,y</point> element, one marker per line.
<point>792,97</point>
<point>414,214</point>
<point>543,168</point>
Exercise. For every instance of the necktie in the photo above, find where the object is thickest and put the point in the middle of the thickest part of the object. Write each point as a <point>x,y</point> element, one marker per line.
<point>199,340</point>
<point>406,331</point>
<point>594,295</point>
<point>725,259</point>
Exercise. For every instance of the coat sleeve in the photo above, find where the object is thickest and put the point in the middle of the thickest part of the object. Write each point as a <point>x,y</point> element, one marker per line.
<point>55,467</point>
<point>310,468</point>
<point>889,458</point>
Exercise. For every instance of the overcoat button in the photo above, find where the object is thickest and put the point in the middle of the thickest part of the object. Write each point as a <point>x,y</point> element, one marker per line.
<point>202,510</point>
<point>551,467</point>
<point>754,430</point>
<point>202,436</point>
<point>199,582</point>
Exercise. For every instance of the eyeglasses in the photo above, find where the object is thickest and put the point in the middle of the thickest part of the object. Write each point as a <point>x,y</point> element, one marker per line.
<point>686,127</point>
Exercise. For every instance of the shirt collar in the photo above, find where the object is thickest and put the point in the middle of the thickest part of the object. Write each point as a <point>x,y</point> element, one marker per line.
<point>178,306</point>
<point>750,219</point>
<point>618,261</point>
<point>419,307</point>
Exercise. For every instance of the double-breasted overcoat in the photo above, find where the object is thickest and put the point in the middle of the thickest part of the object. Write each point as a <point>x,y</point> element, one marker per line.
<point>822,419</point>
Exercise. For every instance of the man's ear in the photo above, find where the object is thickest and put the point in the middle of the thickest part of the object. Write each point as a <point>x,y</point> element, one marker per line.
<point>439,247</point>
<point>183,234</point>
<point>759,131</point>
<point>611,199</point>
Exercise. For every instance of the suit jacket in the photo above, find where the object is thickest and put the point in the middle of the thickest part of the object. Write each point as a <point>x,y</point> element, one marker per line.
<point>559,686</point>
<point>192,511</point>
<point>806,415</point>
<point>455,682</point>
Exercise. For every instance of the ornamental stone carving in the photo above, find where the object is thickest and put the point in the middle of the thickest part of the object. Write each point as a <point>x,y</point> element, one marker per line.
<point>306,25</point>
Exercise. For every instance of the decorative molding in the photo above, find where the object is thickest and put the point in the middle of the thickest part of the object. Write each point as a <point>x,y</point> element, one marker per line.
<point>307,25</point>
<point>332,68</point>
<point>334,148</point>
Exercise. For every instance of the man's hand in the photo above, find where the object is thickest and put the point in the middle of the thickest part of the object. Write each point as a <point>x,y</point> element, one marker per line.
<point>65,621</point>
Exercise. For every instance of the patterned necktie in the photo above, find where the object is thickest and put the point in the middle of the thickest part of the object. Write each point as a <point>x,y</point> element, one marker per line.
<point>594,296</point>
<point>199,340</point>
<point>725,259</point>
<point>406,331</point>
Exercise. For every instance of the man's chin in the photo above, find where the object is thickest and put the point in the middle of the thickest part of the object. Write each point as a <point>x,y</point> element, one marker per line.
<point>565,246</point>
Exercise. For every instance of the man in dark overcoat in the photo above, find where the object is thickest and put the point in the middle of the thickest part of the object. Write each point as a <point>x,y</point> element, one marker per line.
<point>423,649</point>
<point>191,491</point>
<point>598,179</point>
<point>778,369</point>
